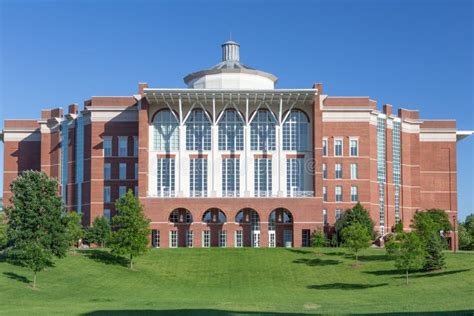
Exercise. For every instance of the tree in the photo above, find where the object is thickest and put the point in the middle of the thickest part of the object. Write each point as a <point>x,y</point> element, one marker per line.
<point>131,228</point>
<point>407,249</point>
<point>356,238</point>
<point>357,214</point>
<point>37,222</point>
<point>399,227</point>
<point>99,233</point>
<point>434,256</point>
<point>318,239</point>
<point>3,231</point>
<point>466,233</point>
<point>75,231</point>
<point>431,221</point>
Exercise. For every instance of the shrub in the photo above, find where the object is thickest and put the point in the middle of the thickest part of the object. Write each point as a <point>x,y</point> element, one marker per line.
<point>318,239</point>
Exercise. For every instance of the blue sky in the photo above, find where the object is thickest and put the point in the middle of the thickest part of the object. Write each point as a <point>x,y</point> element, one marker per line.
<point>411,54</point>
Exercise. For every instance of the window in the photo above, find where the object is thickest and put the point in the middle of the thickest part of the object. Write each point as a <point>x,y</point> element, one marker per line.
<point>338,147</point>
<point>294,176</point>
<point>338,193</point>
<point>79,160</point>
<point>173,239</point>
<point>354,173</point>
<point>338,213</point>
<point>325,147</point>
<point>231,131</point>
<point>123,171</point>
<point>165,172</point>
<point>271,239</point>
<point>189,238</point>
<point>155,238</point>
<point>338,170</point>
<point>325,171</point>
<point>107,171</point>
<point>295,131</point>
<point>354,147</point>
<point>230,177</point>
<point>354,195</point>
<point>263,177</point>
<point>64,158</point>
<point>123,140</point>
<point>288,238</point>
<point>325,216</point>
<point>198,131</point>
<point>174,217</point>
<point>136,191</point>
<point>305,237</point>
<point>238,239</point>
<point>135,146</point>
<point>106,213</point>
<point>381,171</point>
<point>166,131</point>
<point>325,194</point>
<point>122,191</point>
<point>206,238</point>
<point>198,177</point>
<point>135,174</point>
<point>396,167</point>
<point>223,239</point>
<point>262,131</point>
<point>107,146</point>
<point>106,194</point>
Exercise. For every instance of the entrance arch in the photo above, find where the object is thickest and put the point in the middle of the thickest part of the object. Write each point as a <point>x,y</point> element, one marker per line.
<point>249,221</point>
<point>280,228</point>
<point>214,236</point>
<point>181,219</point>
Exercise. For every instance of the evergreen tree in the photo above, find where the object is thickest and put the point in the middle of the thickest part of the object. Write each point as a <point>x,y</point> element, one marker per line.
<point>357,214</point>
<point>3,231</point>
<point>407,249</point>
<point>356,238</point>
<point>131,228</point>
<point>318,239</point>
<point>37,222</point>
<point>75,231</point>
<point>434,256</point>
<point>99,233</point>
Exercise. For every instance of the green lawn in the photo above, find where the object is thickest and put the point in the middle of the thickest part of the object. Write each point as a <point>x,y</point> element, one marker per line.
<point>240,281</point>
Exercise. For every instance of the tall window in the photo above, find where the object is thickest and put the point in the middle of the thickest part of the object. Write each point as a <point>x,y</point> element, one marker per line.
<point>206,238</point>
<point>198,131</point>
<point>239,239</point>
<point>325,194</point>
<point>325,147</point>
<point>165,177</point>
<point>107,171</point>
<point>354,172</point>
<point>106,194</point>
<point>64,158</point>
<point>107,146</point>
<point>123,171</point>
<point>338,169</point>
<point>396,166</point>
<point>223,239</point>
<point>354,147</point>
<point>173,239</point>
<point>135,146</point>
<point>230,177</point>
<point>79,160</point>
<point>166,131</point>
<point>106,213</point>
<point>123,143</point>
<point>295,131</point>
<point>262,131</point>
<point>122,191</point>
<point>325,216</point>
<point>338,213</point>
<point>189,238</point>
<point>198,177</point>
<point>135,173</point>
<point>338,193</point>
<point>338,147</point>
<point>294,176</point>
<point>354,194</point>
<point>325,171</point>
<point>381,172</point>
<point>155,238</point>
<point>263,176</point>
<point>231,131</point>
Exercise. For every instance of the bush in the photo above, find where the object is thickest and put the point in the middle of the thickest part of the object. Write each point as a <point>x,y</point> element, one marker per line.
<point>356,238</point>
<point>318,239</point>
<point>99,233</point>
<point>399,227</point>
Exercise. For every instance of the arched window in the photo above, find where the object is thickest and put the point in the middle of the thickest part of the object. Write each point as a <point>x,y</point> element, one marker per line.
<point>214,216</point>
<point>231,131</point>
<point>166,131</point>
<point>262,131</point>
<point>198,131</point>
<point>295,131</point>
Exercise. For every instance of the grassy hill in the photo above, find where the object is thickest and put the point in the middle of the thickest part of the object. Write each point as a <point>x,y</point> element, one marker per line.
<point>240,281</point>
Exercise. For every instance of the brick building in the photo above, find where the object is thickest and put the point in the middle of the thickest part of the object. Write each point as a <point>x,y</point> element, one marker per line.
<point>231,161</point>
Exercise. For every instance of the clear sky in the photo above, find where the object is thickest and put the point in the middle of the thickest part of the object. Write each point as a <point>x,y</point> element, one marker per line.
<point>411,54</point>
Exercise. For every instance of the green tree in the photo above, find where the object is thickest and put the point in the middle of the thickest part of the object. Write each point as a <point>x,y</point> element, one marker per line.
<point>434,256</point>
<point>357,214</point>
<point>466,233</point>
<point>431,221</point>
<point>3,231</point>
<point>407,249</point>
<point>131,228</point>
<point>356,238</point>
<point>399,227</point>
<point>75,231</point>
<point>37,222</point>
<point>318,239</point>
<point>99,233</point>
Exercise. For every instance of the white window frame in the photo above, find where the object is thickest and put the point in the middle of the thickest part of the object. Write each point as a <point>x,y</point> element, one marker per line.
<point>231,131</point>
<point>263,131</point>
<point>155,234</point>
<point>166,131</point>
<point>338,197</point>
<point>260,189</point>
<point>165,183</point>
<point>229,165</point>
<point>325,216</point>
<point>337,213</point>
<point>189,238</point>
<point>354,171</point>
<point>325,193</point>
<point>351,139</point>
<point>294,178</point>
<point>325,147</point>
<point>325,171</point>
<point>295,131</point>
<point>173,241</point>
<point>336,139</point>
<point>354,194</point>
<point>198,167</point>
<point>338,171</point>
<point>123,151</point>
<point>239,239</point>
<point>123,171</point>
<point>198,131</point>
<point>206,238</point>
<point>223,239</point>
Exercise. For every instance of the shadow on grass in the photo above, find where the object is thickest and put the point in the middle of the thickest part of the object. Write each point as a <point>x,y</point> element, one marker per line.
<point>299,251</point>
<point>421,273</point>
<point>17,277</point>
<point>344,286</point>
<point>335,253</point>
<point>374,258</point>
<point>316,262</point>
<point>104,256</point>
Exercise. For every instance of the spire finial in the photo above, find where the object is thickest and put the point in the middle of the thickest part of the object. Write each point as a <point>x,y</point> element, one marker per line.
<point>230,51</point>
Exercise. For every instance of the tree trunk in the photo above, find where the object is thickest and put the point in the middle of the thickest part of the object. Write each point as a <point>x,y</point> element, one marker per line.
<point>34,281</point>
<point>407,276</point>
<point>131,262</point>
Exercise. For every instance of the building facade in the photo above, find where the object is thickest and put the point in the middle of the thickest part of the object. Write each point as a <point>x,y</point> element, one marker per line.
<point>231,161</point>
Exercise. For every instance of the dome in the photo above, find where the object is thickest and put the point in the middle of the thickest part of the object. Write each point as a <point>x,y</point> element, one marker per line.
<point>230,73</point>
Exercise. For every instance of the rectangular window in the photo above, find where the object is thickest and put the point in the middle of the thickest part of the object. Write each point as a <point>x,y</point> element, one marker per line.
<point>238,239</point>
<point>173,239</point>
<point>354,147</point>
<point>325,171</point>
<point>123,171</point>
<point>155,238</point>
<point>108,146</point>
<point>198,177</point>
<point>338,193</point>
<point>325,147</point>
<point>294,177</point>
<point>189,238</point>
<point>263,177</point>
<point>230,177</point>
<point>123,140</point>
<point>165,172</point>
<point>106,213</point>
<point>325,194</point>
<point>106,194</point>
<point>354,173</point>
<point>107,171</point>
<point>354,195</point>
<point>338,213</point>
<point>325,216</point>
<point>338,170</point>
<point>136,191</point>
<point>136,172</point>
<point>306,237</point>
<point>223,239</point>
<point>206,238</point>
<point>135,146</point>
<point>338,147</point>
<point>122,191</point>
<point>79,160</point>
